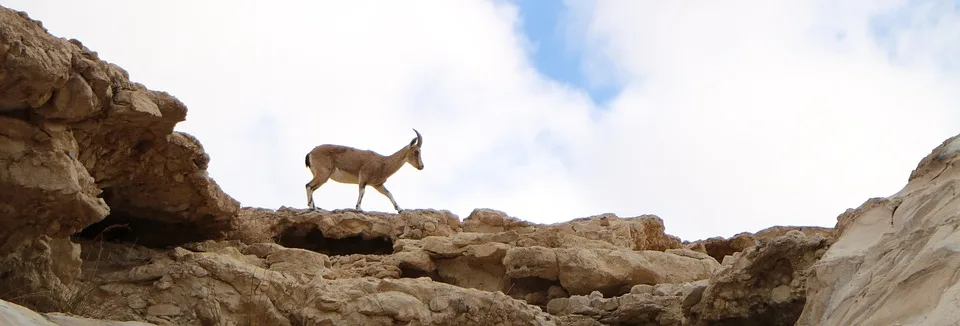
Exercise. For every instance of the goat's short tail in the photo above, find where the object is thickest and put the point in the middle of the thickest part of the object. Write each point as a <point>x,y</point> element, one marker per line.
<point>306,160</point>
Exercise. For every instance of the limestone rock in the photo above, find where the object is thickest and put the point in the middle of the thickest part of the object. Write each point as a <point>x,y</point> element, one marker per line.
<point>764,285</point>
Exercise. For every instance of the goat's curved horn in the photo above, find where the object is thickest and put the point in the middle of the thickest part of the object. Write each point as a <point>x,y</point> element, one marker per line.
<point>419,138</point>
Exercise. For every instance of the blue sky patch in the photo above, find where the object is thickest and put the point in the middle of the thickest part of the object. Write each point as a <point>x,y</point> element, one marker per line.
<point>552,55</point>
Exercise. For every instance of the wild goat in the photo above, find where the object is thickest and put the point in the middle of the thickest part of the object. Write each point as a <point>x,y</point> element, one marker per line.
<point>349,165</point>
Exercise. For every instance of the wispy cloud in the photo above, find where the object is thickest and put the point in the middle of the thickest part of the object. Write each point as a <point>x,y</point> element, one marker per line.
<point>732,116</point>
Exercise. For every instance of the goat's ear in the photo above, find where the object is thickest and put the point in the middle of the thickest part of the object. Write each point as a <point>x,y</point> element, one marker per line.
<point>413,143</point>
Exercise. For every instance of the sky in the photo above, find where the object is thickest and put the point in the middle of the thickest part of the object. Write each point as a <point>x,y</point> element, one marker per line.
<point>719,117</point>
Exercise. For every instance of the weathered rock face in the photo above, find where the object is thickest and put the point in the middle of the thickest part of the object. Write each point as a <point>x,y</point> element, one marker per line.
<point>763,285</point>
<point>81,143</point>
<point>378,268</point>
<point>40,271</point>
<point>894,261</point>
<point>266,284</point>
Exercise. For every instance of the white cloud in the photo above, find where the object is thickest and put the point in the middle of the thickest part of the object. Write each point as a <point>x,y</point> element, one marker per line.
<point>746,114</point>
<point>734,116</point>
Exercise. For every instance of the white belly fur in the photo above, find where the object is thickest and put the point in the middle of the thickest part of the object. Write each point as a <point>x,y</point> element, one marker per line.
<point>343,177</point>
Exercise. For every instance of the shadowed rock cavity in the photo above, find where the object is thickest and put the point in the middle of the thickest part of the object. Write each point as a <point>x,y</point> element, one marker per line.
<point>120,227</point>
<point>308,236</point>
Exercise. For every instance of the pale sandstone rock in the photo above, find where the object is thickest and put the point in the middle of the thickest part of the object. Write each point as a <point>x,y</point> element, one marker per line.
<point>894,261</point>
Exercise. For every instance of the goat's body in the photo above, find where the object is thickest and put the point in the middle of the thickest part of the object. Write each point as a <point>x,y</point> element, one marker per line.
<point>345,164</point>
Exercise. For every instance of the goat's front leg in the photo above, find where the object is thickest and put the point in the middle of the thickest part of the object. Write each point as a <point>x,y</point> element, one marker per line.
<point>363,185</point>
<point>383,190</point>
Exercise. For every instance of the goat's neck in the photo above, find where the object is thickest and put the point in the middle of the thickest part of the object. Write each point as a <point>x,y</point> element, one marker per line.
<point>396,160</point>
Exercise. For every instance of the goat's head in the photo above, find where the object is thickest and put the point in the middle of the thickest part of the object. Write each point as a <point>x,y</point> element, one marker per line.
<point>413,155</point>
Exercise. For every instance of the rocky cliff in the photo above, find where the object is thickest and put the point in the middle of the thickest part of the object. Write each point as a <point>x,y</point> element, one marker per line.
<point>82,148</point>
<point>107,216</point>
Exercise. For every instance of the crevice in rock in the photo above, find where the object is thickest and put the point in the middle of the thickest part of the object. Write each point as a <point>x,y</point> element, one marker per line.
<point>786,313</point>
<point>534,290</point>
<point>312,238</point>
<point>718,250</point>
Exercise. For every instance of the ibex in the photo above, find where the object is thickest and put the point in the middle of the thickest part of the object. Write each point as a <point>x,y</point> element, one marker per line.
<point>349,165</point>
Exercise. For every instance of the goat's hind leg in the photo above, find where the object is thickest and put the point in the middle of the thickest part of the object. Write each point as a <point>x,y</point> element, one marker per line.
<point>363,185</point>
<point>319,178</point>
<point>360,196</point>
